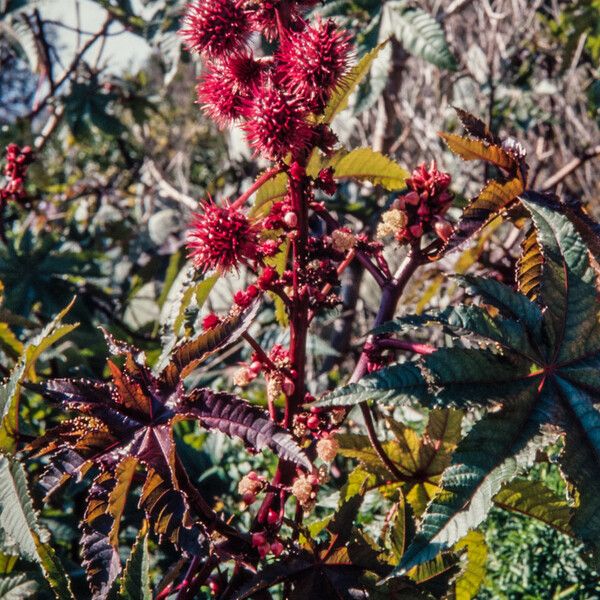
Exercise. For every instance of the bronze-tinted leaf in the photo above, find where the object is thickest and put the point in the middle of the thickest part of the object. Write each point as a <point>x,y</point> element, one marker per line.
<point>494,198</point>
<point>470,149</point>
<point>530,266</point>
<point>192,353</point>
<point>476,127</point>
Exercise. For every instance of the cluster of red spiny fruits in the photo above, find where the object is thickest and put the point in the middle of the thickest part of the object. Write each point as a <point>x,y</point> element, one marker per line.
<point>275,100</point>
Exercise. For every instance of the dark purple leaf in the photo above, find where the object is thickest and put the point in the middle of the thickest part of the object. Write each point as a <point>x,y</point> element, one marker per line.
<point>236,418</point>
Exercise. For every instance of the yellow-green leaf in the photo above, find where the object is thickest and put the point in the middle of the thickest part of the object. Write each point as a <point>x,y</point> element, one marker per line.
<point>365,164</point>
<point>272,190</point>
<point>339,99</point>
<point>473,573</point>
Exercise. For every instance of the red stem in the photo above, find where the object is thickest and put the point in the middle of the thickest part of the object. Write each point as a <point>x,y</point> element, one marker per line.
<point>268,174</point>
<point>405,345</point>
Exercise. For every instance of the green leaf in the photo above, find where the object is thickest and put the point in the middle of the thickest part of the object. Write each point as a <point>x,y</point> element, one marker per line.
<point>135,581</point>
<point>421,35</point>
<point>10,391</point>
<point>18,587</point>
<point>473,572</point>
<point>365,164</point>
<point>271,191</point>
<point>475,476</point>
<point>19,521</point>
<point>400,383</point>
<point>531,395</point>
<point>535,499</point>
<point>340,96</point>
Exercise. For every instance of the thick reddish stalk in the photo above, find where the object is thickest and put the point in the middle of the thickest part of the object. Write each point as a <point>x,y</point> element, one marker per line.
<point>300,305</point>
<point>268,174</point>
<point>392,291</point>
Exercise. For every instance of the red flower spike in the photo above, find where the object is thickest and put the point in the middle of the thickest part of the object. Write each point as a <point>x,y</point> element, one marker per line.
<point>216,28</point>
<point>221,238</point>
<point>275,125</point>
<point>226,87</point>
<point>312,61</point>
<point>17,163</point>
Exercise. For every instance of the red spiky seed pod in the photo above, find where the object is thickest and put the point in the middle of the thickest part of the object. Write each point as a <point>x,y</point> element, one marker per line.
<point>221,238</point>
<point>216,28</point>
<point>225,88</point>
<point>275,126</point>
<point>312,62</point>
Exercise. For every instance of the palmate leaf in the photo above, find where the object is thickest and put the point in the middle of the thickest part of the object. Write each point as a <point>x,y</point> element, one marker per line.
<point>534,499</point>
<point>473,572</point>
<point>420,459</point>
<point>18,587</point>
<point>421,35</point>
<point>542,379</point>
<point>10,391</point>
<point>529,265</point>
<point>337,567</point>
<point>125,429</point>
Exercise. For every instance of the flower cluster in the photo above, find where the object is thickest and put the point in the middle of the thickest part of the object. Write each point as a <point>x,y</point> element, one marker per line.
<point>422,209</point>
<point>221,238</point>
<point>17,162</point>
<point>271,96</point>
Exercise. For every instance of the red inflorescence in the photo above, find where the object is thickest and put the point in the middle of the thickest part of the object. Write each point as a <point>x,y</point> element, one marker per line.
<point>312,61</point>
<point>425,204</point>
<point>226,87</point>
<point>276,125</point>
<point>221,238</point>
<point>216,28</point>
<point>17,162</point>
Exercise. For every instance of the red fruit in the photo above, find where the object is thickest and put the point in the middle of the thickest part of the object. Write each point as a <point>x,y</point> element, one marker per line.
<point>264,549</point>
<point>276,548</point>
<point>312,61</point>
<point>256,367</point>
<point>216,28</point>
<point>269,15</point>
<point>443,229</point>
<point>275,125</point>
<point>288,387</point>
<point>272,517</point>
<point>290,219</point>
<point>221,238</point>
<point>313,422</point>
<point>210,321</point>
<point>225,88</point>
<point>249,498</point>
<point>258,539</point>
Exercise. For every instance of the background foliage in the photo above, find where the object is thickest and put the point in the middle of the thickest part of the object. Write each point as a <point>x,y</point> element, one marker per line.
<point>123,155</point>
